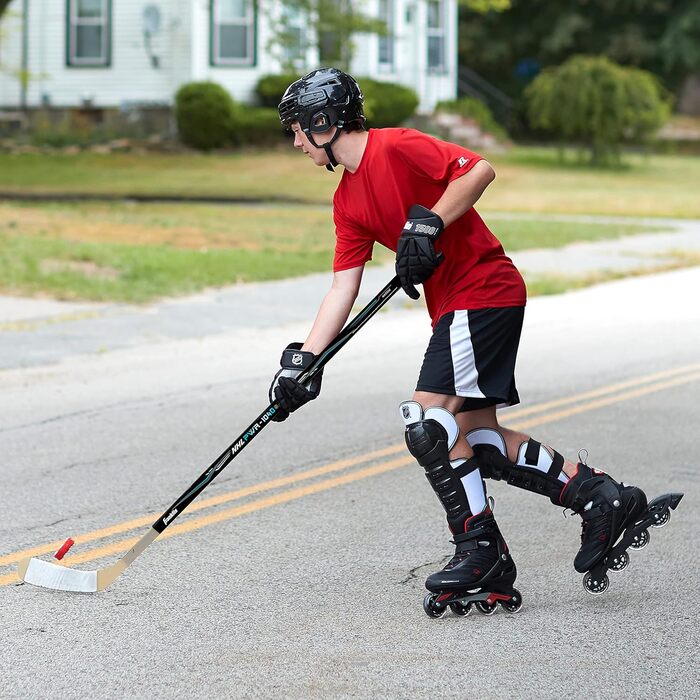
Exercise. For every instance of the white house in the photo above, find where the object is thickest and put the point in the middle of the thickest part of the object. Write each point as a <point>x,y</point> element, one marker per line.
<point>116,53</point>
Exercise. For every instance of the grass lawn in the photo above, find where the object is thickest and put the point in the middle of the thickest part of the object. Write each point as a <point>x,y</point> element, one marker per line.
<point>528,179</point>
<point>137,252</point>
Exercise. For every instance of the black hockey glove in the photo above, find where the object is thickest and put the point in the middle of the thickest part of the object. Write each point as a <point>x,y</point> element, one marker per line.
<point>285,389</point>
<point>416,258</point>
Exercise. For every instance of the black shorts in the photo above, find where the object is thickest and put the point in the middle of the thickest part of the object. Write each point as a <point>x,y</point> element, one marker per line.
<point>472,354</point>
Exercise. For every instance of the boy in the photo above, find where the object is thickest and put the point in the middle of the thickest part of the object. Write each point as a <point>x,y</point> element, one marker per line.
<point>476,299</point>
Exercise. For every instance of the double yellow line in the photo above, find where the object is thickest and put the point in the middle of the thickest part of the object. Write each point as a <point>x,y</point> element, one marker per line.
<point>376,461</point>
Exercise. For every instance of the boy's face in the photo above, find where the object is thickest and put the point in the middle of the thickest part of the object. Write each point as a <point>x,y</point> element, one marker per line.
<point>301,140</point>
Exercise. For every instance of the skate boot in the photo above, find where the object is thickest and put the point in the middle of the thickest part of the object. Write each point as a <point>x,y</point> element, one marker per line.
<point>615,517</point>
<point>481,573</point>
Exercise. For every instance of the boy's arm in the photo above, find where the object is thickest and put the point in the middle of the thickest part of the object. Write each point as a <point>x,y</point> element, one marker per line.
<point>331,317</point>
<point>461,194</point>
<point>335,309</point>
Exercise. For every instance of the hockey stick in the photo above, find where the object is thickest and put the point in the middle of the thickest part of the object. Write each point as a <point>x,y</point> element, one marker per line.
<point>61,578</point>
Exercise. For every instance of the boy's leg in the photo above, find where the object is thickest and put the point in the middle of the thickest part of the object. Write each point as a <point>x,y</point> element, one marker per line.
<point>481,569</point>
<point>606,506</point>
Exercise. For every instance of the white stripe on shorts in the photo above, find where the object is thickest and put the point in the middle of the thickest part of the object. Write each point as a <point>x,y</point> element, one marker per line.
<point>463,362</point>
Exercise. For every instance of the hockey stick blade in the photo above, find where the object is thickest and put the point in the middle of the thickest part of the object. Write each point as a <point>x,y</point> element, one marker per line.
<point>58,577</point>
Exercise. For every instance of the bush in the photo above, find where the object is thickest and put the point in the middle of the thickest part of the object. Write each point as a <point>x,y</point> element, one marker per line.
<point>597,103</point>
<point>476,110</point>
<point>258,126</point>
<point>205,115</point>
<point>270,88</point>
<point>387,104</point>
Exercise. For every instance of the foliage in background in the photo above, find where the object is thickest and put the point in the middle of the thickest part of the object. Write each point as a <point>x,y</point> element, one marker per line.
<point>205,114</point>
<point>258,126</point>
<point>476,110</point>
<point>325,25</point>
<point>387,104</point>
<point>510,47</point>
<point>270,88</point>
<point>594,102</point>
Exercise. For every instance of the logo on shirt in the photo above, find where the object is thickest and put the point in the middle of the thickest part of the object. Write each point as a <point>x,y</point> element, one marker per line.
<point>463,161</point>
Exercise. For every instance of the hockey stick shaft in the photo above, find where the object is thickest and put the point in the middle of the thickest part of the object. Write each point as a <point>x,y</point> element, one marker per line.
<point>256,427</point>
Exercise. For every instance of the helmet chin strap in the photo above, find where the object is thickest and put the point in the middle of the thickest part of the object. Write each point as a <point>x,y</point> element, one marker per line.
<point>333,163</point>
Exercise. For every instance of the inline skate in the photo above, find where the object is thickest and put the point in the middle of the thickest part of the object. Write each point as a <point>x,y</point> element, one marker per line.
<point>481,573</point>
<point>616,517</point>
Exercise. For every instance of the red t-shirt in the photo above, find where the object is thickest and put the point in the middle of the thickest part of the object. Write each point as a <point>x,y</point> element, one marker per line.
<point>401,167</point>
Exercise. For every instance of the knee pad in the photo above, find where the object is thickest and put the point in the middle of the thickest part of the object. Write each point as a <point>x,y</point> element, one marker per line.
<point>430,435</point>
<point>537,468</point>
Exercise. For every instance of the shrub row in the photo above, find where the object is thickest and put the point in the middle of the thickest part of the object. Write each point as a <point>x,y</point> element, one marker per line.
<point>208,117</point>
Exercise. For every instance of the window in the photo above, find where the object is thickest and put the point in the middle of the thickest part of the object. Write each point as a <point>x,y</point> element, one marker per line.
<point>386,43</point>
<point>233,32</point>
<point>88,32</point>
<point>436,35</point>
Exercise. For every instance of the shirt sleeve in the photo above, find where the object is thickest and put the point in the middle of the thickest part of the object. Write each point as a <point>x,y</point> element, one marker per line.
<point>353,247</point>
<point>433,159</point>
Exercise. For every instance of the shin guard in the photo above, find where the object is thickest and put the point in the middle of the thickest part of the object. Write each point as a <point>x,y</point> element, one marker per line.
<point>430,435</point>
<point>537,468</point>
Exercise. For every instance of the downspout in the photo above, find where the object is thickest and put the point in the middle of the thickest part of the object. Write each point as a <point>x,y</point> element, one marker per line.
<point>24,75</point>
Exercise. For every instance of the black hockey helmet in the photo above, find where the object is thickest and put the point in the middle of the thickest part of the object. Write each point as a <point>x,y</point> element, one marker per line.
<point>322,99</point>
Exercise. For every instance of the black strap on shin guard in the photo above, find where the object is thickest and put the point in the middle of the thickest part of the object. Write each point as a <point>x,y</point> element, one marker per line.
<point>494,465</point>
<point>427,442</point>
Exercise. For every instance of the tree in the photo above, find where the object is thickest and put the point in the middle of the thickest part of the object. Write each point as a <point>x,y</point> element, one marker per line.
<point>594,102</point>
<point>510,47</point>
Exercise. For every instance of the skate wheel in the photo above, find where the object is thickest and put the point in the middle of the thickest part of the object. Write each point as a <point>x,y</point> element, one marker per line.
<point>515,604</point>
<point>431,609</point>
<point>661,519</point>
<point>485,609</point>
<point>595,586</point>
<point>641,540</point>
<point>461,610</point>
<point>620,562</point>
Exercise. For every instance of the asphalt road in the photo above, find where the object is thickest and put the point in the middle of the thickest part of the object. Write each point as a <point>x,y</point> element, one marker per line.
<point>305,577</point>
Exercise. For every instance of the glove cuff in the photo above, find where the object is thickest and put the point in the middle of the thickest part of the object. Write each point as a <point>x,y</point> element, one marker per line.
<point>423,222</point>
<point>294,357</point>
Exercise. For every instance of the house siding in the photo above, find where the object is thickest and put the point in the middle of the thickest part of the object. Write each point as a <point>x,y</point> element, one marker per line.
<point>183,46</point>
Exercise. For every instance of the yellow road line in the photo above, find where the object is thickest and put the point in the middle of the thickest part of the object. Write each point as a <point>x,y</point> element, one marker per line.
<point>686,369</point>
<point>333,466</point>
<point>339,465</point>
<point>237,511</point>
<point>600,403</point>
<point>206,503</point>
<point>197,523</point>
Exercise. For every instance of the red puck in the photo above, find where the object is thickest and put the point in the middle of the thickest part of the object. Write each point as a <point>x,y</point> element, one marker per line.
<point>64,548</point>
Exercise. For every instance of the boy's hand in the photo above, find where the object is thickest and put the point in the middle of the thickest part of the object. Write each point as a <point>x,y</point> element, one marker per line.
<point>416,258</point>
<point>285,389</point>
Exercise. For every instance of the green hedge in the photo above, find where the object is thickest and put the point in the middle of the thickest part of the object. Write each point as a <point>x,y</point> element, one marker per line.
<point>475,109</point>
<point>208,117</point>
<point>270,88</point>
<point>387,104</point>
<point>597,103</point>
<point>258,126</point>
<point>205,115</point>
